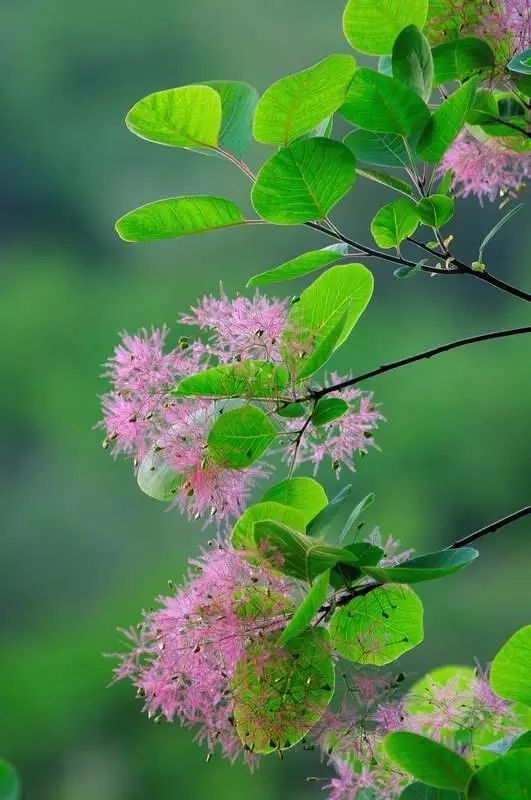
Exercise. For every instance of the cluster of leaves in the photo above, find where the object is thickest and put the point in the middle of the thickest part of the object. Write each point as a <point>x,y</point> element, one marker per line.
<point>356,602</point>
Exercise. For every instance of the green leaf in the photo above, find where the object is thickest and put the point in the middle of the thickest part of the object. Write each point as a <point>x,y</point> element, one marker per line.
<point>301,265</point>
<point>241,379</point>
<point>9,782</point>
<point>292,410</point>
<point>238,103</point>
<point>386,180</point>
<point>485,107</point>
<point>242,537</point>
<point>355,514</point>
<point>376,102</point>
<point>239,437</point>
<point>428,567</point>
<point>436,210</point>
<point>304,494</point>
<point>371,26</point>
<point>494,230</point>
<point>302,557</point>
<point>445,184</point>
<point>506,778</point>
<point>420,791</point>
<point>521,63</point>
<point>297,103</point>
<point>394,222</point>
<point>446,123</point>
<point>277,700</point>
<point>189,116</point>
<point>408,272</point>
<point>378,627</point>
<point>382,149</point>
<point>423,697</point>
<point>428,761</point>
<point>304,181</point>
<point>178,216</point>
<point>340,292</point>
<point>307,609</point>
<point>412,61</point>
<point>522,741</point>
<point>156,479</point>
<point>322,522</point>
<point>328,409</point>
<point>511,669</point>
<point>461,58</point>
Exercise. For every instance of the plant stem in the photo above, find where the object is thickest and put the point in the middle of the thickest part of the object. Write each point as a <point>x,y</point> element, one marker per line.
<point>402,362</point>
<point>494,526</point>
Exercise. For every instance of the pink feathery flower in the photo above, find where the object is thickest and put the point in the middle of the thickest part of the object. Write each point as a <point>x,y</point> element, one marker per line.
<point>505,23</point>
<point>384,781</point>
<point>342,438</point>
<point>243,327</point>
<point>485,169</point>
<point>184,654</point>
<point>206,486</point>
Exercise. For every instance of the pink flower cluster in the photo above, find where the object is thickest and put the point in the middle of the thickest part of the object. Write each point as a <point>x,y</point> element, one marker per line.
<point>351,739</point>
<point>342,438</point>
<point>183,656</point>
<point>486,169</point>
<point>504,22</point>
<point>141,415</point>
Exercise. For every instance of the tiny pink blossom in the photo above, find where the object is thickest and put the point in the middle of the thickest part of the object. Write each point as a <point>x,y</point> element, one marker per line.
<point>184,654</point>
<point>247,328</point>
<point>485,169</point>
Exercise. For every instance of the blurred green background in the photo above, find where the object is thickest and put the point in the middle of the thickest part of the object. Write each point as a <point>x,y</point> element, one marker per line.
<point>83,551</point>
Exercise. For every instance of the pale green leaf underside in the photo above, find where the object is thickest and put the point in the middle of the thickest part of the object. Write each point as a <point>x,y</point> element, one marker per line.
<point>446,123</point>
<point>378,627</point>
<point>371,26</point>
<point>242,379</point>
<point>294,105</point>
<point>304,181</point>
<point>189,116</point>
<point>427,567</point>
<point>178,216</point>
<point>157,479</point>
<point>238,103</point>
<point>242,537</point>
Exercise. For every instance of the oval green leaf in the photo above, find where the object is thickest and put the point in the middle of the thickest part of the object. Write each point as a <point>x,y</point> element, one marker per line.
<point>505,778</point>
<point>278,700</point>
<point>446,123</point>
<point>329,409</point>
<point>510,672</point>
<point>378,103</point>
<point>301,265</point>
<point>239,437</point>
<point>412,62</point>
<point>382,149</point>
<point>242,537</point>
<point>436,210</point>
<point>461,58</point>
<point>371,26</point>
<point>178,216</point>
<point>304,494</point>
<point>304,181</point>
<point>428,761</point>
<point>378,627</point>
<point>242,379</point>
<point>428,567</point>
<point>320,526</point>
<point>296,104</point>
<point>307,609</point>
<point>238,103</point>
<point>394,222</point>
<point>189,116</point>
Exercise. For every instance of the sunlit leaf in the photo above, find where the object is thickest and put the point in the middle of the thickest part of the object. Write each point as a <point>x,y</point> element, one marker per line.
<point>304,494</point>
<point>394,222</point>
<point>328,409</point>
<point>241,379</point>
<point>157,479</point>
<point>242,537</point>
<point>505,778</point>
<point>427,567</point>
<point>240,437</point>
<point>297,103</point>
<point>436,210</point>
<point>511,669</point>
<point>382,149</point>
<point>446,123</point>
<point>301,265</point>
<point>307,609</point>
<point>189,116</point>
<point>461,58</point>
<point>178,216</point>
<point>371,26</point>
<point>304,181</point>
<point>376,102</point>
<point>277,700</point>
<point>238,103</point>
<point>378,627</point>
